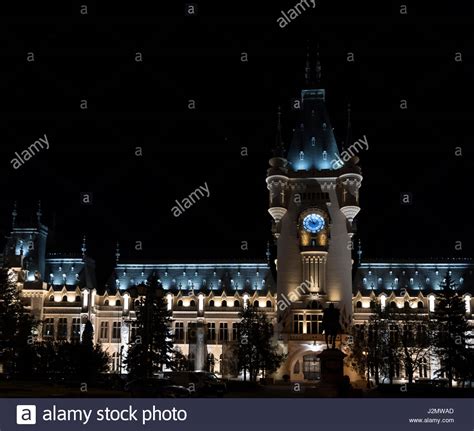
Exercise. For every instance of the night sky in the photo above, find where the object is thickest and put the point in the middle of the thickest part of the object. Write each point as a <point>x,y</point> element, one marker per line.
<point>92,57</point>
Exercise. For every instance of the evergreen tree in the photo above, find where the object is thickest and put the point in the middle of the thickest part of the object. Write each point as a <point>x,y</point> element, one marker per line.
<point>84,360</point>
<point>152,348</point>
<point>93,360</point>
<point>452,328</point>
<point>255,350</point>
<point>16,327</point>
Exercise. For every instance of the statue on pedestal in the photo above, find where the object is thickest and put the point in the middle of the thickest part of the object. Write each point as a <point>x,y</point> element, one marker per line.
<point>331,325</point>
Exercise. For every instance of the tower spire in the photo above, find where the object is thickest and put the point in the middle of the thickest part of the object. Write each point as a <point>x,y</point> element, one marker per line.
<point>14,214</point>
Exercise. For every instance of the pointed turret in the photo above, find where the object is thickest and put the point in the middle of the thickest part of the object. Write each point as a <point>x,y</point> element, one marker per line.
<point>313,146</point>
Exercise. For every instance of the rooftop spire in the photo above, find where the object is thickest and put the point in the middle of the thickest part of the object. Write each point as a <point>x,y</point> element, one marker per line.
<point>39,213</point>
<point>14,214</point>
<point>347,143</point>
<point>318,67</point>
<point>307,69</point>
<point>84,249</point>
<point>117,253</point>
<point>279,146</point>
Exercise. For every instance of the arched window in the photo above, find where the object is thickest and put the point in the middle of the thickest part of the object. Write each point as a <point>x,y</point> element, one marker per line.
<point>65,298</point>
<point>180,303</point>
<point>192,303</point>
<point>224,303</point>
<point>137,302</point>
<point>359,304</point>
<point>269,304</point>
<point>118,303</point>
<point>51,298</point>
<point>301,155</point>
<point>406,305</point>
<point>106,302</point>
<point>393,304</point>
<point>420,304</point>
<point>256,304</point>
<point>78,298</point>
<point>236,304</point>
<point>372,304</point>
<point>211,303</point>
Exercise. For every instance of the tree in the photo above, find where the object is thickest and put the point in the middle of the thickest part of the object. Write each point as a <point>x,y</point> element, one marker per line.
<point>92,358</point>
<point>375,349</point>
<point>180,362</point>
<point>152,348</point>
<point>452,328</point>
<point>415,342</point>
<point>16,327</point>
<point>84,360</point>
<point>255,350</point>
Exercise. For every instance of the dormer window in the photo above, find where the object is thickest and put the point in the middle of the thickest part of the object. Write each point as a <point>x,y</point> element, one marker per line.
<point>325,155</point>
<point>313,141</point>
<point>301,155</point>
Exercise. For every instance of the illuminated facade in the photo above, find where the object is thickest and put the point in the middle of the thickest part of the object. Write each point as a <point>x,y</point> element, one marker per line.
<point>313,200</point>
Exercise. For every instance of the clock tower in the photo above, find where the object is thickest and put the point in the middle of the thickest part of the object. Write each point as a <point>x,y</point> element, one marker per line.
<point>314,197</point>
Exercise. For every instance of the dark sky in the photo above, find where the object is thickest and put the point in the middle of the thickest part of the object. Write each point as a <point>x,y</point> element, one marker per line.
<point>132,104</point>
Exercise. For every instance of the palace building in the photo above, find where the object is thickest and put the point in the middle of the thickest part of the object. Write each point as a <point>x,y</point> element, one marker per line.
<point>313,202</point>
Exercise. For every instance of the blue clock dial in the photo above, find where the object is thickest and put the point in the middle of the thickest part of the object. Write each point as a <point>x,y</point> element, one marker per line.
<point>313,223</point>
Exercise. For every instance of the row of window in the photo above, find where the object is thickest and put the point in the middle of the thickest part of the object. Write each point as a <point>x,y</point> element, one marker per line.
<point>104,331</point>
<point>65,298</point>
<point>60,331</point>
<point>213,332</point>
<point>392,304</point>
<point>237,303</point>
<point>313,323</point>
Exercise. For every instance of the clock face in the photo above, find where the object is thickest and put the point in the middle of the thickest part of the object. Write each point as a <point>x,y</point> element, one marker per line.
<point>313,223</point>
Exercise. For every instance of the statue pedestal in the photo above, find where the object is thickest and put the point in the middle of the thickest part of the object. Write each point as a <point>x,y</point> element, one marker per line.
<point>332,367</point>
